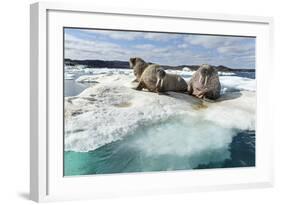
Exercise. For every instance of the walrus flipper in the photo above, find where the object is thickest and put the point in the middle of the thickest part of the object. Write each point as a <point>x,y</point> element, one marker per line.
<point>140,86</point>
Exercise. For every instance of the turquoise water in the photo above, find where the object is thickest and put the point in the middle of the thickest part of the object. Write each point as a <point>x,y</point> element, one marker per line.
<point>170,145</point>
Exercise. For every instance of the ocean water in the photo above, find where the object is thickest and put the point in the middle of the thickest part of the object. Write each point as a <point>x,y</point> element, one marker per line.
<point>167,146</point>
<point>172,144</point>
<point>73,88</point>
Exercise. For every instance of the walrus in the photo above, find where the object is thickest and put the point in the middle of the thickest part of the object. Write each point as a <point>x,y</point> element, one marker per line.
<point>205,83</point>
<point>138,65</point>
<point>155,79</point>
<point>169,82</point>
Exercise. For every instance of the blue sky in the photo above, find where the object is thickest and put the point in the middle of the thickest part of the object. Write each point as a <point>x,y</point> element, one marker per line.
<point>161,48</point>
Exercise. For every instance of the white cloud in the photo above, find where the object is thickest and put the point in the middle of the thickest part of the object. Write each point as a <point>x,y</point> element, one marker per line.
<point>210,41</point>
<point>160,36</point>
<point>76,48</point>
<point>227,48</point>
<point>144,46</point>
<point>183,45</point>
<point>133,35</point>
<point>121,35</point>
<point>238,48</point>
<point>219,50</point>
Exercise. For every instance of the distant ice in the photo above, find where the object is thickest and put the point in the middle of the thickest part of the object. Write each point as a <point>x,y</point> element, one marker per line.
<point>69,76</point>
<point>236,83</point>
<point>186,69</point>
<point>86,79</point>
<point>185,73</point>
<point>226,74</point>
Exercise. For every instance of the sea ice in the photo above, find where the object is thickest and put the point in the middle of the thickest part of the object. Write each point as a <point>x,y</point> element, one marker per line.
<point>69,76</point>
<point>111,110</point>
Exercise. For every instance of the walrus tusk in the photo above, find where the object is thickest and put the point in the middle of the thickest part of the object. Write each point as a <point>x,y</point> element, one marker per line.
<point>200,78</point>
<point>157,83</point>
<point>161,85</point>
<point>206,80</point>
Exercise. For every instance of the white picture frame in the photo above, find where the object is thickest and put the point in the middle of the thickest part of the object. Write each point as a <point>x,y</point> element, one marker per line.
<point>46,180</point>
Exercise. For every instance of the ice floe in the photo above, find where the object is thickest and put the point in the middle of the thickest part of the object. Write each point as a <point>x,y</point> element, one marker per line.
<point>111,110</point>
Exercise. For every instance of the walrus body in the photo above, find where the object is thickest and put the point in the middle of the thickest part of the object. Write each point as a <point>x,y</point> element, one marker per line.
<point>155,79</point>
<point>170,82</point>
<point>205,83</point>
<point>148,78</point>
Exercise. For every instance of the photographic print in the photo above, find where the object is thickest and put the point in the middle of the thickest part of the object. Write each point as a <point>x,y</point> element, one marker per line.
<point>143,101</point>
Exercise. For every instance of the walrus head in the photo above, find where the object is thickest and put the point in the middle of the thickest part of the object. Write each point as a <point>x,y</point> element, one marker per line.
<point>160,75</point>
<point>205,72</point>
<point>136,62</point>
<point>138,65</point>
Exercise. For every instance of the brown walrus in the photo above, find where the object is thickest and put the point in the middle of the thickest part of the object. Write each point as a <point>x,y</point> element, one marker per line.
<point>155,79</point>
<point>169,82</point>
<point>205,83</point>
